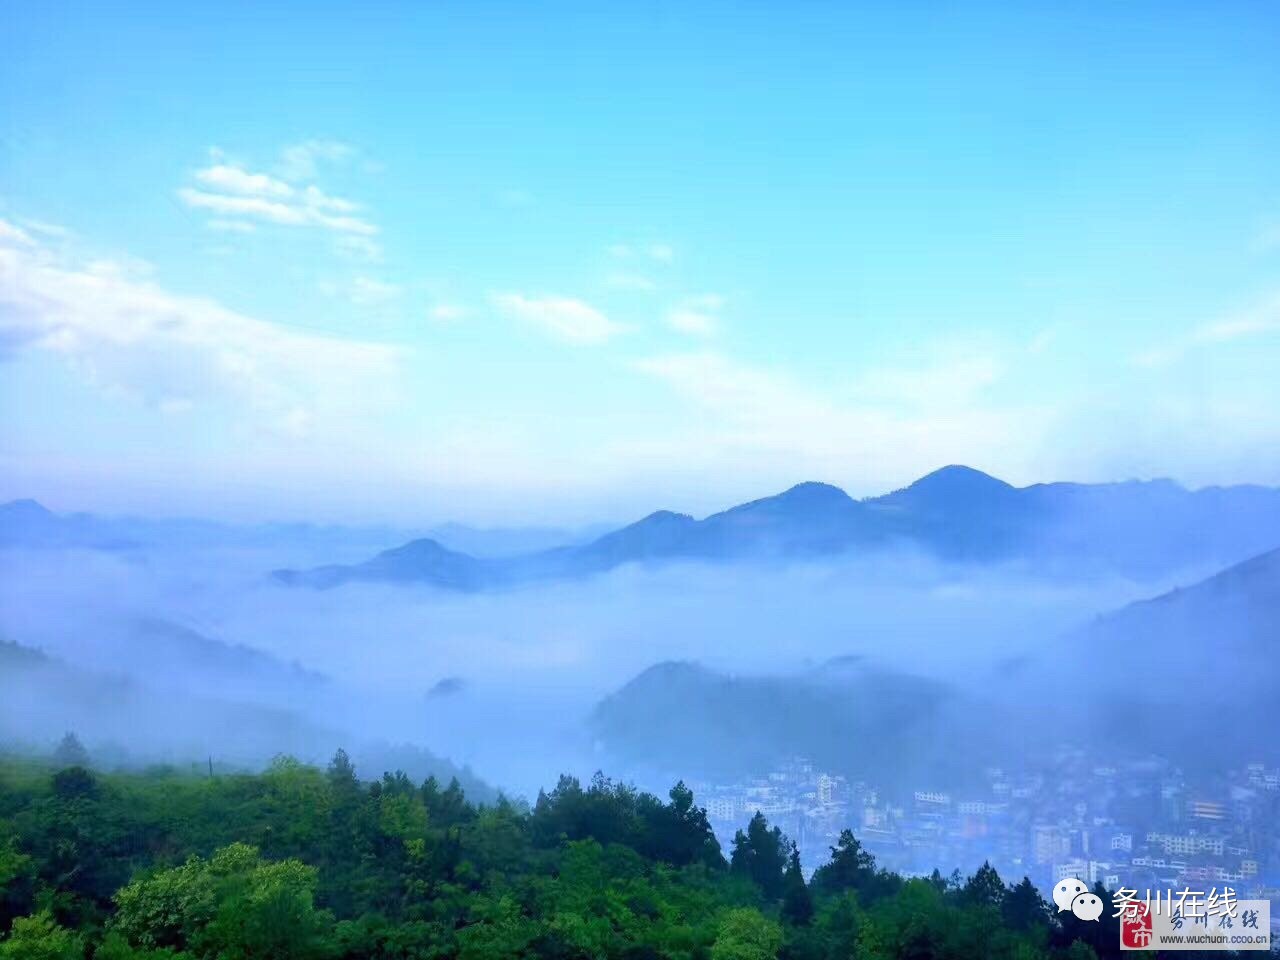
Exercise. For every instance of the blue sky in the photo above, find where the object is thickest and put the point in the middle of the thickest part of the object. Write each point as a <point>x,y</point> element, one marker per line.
<point>504,263</point>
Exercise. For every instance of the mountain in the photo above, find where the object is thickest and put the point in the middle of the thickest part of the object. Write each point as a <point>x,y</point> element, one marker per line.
<point>419,561</point>
<point>963,514</point>
<point>125,720</point>
<point>957,514</point>
<point>491,542</point>
<point>162,653</point>
<point>1190,675</point>
<point>680,718</point>
<point>41,697</point>
<point>1212,642</point>
<point>27,523</point>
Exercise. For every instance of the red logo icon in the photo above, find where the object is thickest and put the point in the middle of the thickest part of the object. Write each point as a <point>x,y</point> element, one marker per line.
<point>1135,925</point>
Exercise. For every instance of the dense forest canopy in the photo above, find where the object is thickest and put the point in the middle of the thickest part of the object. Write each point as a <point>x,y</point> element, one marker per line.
<point>297,862</point>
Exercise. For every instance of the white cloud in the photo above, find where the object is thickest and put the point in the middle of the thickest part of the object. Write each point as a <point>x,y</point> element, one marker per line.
<point>447,312</point>
<point>369,290</point>
<point>229,191</point>
<point>129,336</point>
<point>747,417</point>
<point>51,230</point>
<point>232,179</point>
<point>661,252</point>
<point>274,211</point>
<point>693,322</point>
<point>13,234</point>
<point>356,247</point>
<point>319,200</point>
<point>231,226</point>
<point>950,379</point>
<point>363,291</point>
<point>696,317</point>
<point>301,160</point>
<point>564,318</point>
<point>1262,318</point>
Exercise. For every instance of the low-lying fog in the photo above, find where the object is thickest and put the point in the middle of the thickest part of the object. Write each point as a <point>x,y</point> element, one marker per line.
<point>503,681</point>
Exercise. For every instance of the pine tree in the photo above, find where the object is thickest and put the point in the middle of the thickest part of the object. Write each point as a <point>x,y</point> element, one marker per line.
<point>985,888</point>
<point>70,752</point>
<point>851,867</point>
<point>761,854</point>
<point>1023,907</point>
<point>342,774</point>
<point>797,903</point>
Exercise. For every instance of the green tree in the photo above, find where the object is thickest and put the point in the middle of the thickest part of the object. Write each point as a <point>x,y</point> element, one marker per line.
<point>233,905</point>
<point>984,888</point>
<point>116,947</point>
<point>38,937</point>
<point>341,774</point>
<point>797,903</point>
<point>852,867</point>
<point>1024,908</point>
<point>746,934</point>
<point>761,854</point>
<point>70,752</point>
<point>70,783</point>
<point>17,880</point>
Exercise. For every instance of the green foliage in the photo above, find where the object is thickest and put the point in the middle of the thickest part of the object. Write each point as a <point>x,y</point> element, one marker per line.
<point>677,833</point>
<point>853,868</point>
<point>38,937</point>
<point>761,854</point>
<point>985,888</point>
<point>797,904</point>
<point>70,752</point>
<point>234,905</point>
<point>303,864</point>
<point>745,934</point>
<point>1024,908</point>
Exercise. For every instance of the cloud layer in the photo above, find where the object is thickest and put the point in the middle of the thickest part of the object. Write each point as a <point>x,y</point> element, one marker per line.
<point>232,194</point>
<point>128,335</point>
<point>562,318</point>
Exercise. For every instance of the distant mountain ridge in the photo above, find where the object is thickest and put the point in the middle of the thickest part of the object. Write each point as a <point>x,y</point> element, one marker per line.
<point>1214,640</point>
<point>1190,675</point>
<point>28,524</point>
<point>847,714</point>
<point>955,513</point>
<point>43,696</point>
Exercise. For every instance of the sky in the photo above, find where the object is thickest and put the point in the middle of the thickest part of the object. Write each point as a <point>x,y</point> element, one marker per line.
<point>575,262</point>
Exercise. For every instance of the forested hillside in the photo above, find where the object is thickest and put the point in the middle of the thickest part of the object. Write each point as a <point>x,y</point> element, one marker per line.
<point>303,863</point>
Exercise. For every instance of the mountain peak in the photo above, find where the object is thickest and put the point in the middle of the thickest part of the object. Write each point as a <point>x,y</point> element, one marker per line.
<point>664,517</point>
<point>959,478</point>
<point>814,491</point>
<point>422,549</point>
<point>25,508</point>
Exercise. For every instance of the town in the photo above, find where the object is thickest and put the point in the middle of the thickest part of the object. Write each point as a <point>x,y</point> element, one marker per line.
<point>1140,824</point>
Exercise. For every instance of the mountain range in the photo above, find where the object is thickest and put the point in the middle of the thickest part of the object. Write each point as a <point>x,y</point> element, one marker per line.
<point>848,714</point>
<point>956,514</point>
<point>28,524</point>
<point>43,696</point>
<point>1190,675</point>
